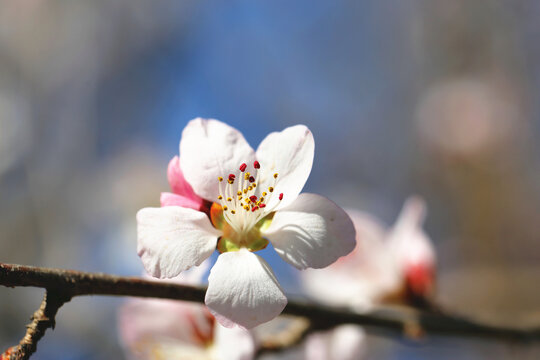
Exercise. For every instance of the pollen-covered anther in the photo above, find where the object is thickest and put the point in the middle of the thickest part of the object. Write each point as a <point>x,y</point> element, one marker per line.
<point>244,194</point>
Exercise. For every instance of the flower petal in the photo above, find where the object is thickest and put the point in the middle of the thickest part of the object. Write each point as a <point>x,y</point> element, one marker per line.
<point>172,239</point>
<point>311,232</point>
<point>412,248</point>
<point>209,149</point>
<point>243,290</point>
<point>170,199</point>
<point>233,343</point>
<point>407,239</point>
<point>179,184</point>
<point>290,154</point>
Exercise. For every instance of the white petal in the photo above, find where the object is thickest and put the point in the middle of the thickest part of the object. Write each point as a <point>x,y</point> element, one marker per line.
<point>172,239</point>
<point>311,232</point>
<point>345,342</point>
<point>290,154</point>
<point>243,290</point>
<point>209,149</point>
<point>233,343</point>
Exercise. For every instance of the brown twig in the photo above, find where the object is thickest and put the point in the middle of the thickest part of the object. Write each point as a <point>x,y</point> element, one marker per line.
<point>62,285</point>
<point>42,319</point>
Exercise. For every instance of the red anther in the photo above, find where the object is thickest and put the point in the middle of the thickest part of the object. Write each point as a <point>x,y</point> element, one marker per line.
<point>253,198</point>
<point>232,177</point>
<point>254,208</point>
<point>251,179</point>
<point>281,196</point>
<point>243,167</point>
<point>256,165</point>
<point>262,205</point>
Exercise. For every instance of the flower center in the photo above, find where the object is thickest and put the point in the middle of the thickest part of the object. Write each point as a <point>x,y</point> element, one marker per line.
<point>244,204</point>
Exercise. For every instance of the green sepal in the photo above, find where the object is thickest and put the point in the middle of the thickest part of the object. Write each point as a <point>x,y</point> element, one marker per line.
<point>226,245</point>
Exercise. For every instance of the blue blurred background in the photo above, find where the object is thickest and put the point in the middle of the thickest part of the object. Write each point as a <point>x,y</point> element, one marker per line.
<point>438,98</point>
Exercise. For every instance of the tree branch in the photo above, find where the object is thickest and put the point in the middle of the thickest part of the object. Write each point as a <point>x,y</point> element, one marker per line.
<point>62,285</point>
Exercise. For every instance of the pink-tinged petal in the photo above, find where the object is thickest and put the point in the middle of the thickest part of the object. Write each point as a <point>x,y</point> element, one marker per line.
<point>178,182</point>
<point>243,290</point>
<point>150,326</point>
<point>233,343</point>
<point>209,149</point>
<point>345,342</point>
<point>288,153</point>
<point>173,239</point>
<point>170,199</point>
<point>311,232</point>
<point>361,278</point>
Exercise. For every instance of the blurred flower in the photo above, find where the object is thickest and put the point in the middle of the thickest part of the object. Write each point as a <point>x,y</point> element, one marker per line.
<point>167,329</point>
<point>395,264</point>
<point>467,116</point>
<point>258,201</point>
<point>345,342</point>
<point>386,265</point>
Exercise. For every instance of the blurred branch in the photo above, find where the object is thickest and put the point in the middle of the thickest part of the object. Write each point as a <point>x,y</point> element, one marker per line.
<point>62,285</point>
